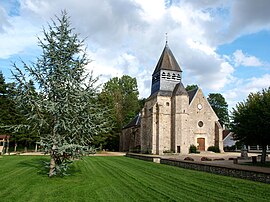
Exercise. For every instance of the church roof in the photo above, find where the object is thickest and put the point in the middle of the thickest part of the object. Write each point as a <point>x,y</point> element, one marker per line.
<point>167,61</point>
<point>179,89</point>
<point>192,93</point>
<point>134,122</point>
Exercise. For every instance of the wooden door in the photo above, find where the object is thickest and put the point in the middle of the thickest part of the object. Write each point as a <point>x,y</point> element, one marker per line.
<point>201,142</point>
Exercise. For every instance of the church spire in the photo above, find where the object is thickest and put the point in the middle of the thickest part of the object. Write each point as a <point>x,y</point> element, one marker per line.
<point>167,61</point>
<point>167,72</point>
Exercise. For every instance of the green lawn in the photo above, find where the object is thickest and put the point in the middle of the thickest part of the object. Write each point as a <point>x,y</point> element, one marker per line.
<point>120,179</point>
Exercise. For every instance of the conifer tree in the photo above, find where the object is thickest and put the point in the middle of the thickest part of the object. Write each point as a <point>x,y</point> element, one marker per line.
<point>64,112</point>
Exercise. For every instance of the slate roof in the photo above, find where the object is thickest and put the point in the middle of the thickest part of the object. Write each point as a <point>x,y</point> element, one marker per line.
<point>167,61</point>
<point>225,133</point>
<point>134,122</point>
<point>179,89</point>
<point>191,94</point>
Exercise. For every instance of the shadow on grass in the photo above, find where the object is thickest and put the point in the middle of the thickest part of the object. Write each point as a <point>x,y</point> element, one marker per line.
<point>41,165</point>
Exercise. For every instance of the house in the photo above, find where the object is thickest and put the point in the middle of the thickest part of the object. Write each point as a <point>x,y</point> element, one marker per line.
<point>4,143</point>
<point>228,139</point>
<point>172,118</point>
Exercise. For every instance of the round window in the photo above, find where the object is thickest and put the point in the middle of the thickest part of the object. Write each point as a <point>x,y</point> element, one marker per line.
<point>200,124</point>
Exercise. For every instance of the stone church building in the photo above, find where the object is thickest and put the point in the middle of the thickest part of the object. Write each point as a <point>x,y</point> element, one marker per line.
<point>172,118</point>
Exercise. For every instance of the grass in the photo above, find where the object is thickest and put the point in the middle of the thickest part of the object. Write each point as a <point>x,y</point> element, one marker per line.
<point>120,179</point>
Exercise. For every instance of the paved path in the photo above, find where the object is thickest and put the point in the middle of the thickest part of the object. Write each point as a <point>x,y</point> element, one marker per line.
<point>216,160</point>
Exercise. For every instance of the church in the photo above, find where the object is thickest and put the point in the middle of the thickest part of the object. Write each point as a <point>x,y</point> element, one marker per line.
<point>172,118</point>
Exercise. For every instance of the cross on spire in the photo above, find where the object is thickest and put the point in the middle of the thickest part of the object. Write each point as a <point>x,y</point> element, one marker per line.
<point>166,36</point>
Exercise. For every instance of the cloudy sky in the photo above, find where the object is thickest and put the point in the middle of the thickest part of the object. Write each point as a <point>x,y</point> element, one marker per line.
<point>223,46</point>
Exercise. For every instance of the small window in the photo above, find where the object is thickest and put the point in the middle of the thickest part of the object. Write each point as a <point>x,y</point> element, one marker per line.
<point>163,75</point>
<point>200,124</point>
<point>168,76</point>
<point>167,104</point>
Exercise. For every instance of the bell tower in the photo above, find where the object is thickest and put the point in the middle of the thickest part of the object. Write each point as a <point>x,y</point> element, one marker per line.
<point>166,74</point>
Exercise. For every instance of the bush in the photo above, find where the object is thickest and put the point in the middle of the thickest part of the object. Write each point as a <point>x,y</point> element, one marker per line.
<point>193,149</point>
<point>213,149</point>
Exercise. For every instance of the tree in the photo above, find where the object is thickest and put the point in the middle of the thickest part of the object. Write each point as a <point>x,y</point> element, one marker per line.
<point>220,107</point>
<point>251,120</point>
<point>24,137</point>
<point>121,96</point>
<point>64,112</point>
<point>8,112</point>
<point>191,87</point>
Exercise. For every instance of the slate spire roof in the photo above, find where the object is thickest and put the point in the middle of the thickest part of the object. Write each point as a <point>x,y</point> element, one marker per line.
<point>167,61</point>
<point>180,89</point>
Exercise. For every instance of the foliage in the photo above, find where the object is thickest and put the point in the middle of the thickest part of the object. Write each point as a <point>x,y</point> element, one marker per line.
<point>8,112</point>
<point>65,112</point>
<point>251,120</point>
<point>193,149</point>
<point>120,179</point>
<point>191,87</point>
<point>220,107</point>
<point>11,115</point>
<point>214,149</point>
<point>120,95</point>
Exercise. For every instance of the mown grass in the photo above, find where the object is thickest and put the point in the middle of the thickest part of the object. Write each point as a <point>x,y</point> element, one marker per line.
<point>120,179</point>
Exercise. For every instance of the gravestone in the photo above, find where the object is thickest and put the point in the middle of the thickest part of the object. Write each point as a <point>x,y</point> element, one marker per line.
<point>244,152</point>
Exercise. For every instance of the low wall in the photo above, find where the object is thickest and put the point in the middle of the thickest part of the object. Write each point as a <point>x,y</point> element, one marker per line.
<point>152,158</point>
<point>226,170</point>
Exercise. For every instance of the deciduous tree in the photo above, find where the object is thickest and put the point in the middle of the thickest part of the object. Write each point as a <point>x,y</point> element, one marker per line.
<point>251,120</point>
<point>191,87</point>
<point>121,96</point>
<point>220,106</point>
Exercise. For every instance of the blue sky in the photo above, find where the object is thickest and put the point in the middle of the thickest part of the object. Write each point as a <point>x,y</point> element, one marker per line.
<point>221,45</point>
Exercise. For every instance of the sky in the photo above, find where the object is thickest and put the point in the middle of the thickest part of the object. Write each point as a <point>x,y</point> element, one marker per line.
<point>222,46</point>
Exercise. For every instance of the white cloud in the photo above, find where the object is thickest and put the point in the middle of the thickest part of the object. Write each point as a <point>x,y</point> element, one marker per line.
<point>3,19</point>
<point>18,38</point>
<point>127,36</point>
<point>243,87</point>
<point>246,60</point>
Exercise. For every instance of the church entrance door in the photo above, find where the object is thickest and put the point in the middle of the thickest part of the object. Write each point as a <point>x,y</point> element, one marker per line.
<point>201,144</point>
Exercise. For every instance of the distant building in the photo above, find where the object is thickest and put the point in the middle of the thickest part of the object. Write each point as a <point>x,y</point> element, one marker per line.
<point>172,118</point>
<point>4,143</point>
<point>228,140</point>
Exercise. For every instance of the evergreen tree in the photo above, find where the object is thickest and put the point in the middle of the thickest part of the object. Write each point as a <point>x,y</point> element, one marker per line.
<point>8,112</point>
<point>64,112</point>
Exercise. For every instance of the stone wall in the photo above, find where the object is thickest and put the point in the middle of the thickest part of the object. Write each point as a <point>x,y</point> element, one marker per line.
<point>210,168</point>
<point>130,139</point>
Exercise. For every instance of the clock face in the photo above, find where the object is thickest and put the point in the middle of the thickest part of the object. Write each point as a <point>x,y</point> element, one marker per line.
<point>199,106</point>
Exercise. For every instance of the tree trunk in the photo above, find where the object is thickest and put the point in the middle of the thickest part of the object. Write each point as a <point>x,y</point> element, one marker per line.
<point>52,161</point>
<point>52,166</point>
<point>263,158</point>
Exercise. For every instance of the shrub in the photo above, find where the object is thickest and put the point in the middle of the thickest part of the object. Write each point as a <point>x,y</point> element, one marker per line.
<point>206,159</point>
<point>213,149</point>
<point>193,149</point>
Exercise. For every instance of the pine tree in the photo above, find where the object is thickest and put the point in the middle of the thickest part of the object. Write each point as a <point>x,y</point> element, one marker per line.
<point>64,112</point>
